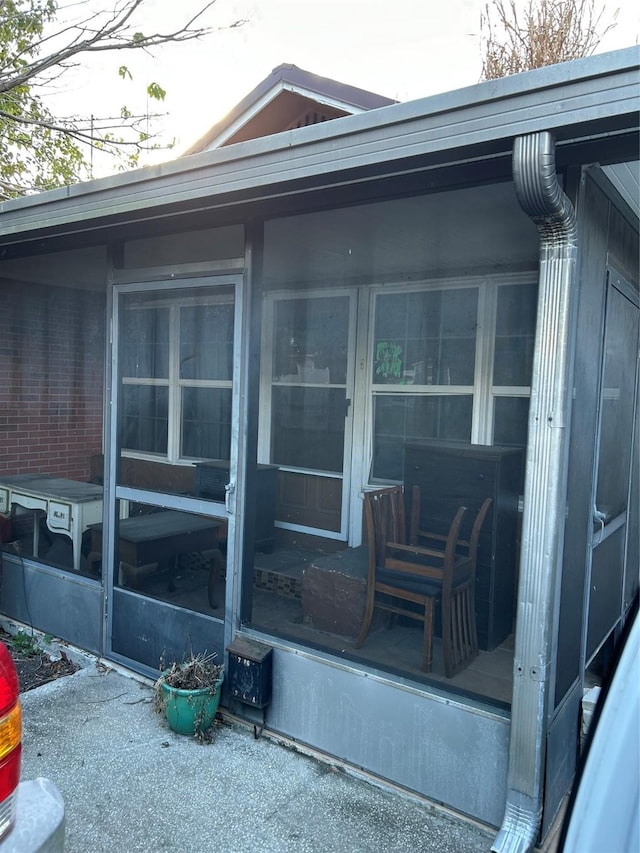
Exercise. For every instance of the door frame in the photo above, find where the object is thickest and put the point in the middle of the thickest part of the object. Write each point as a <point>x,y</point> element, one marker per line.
<point>198,624</point>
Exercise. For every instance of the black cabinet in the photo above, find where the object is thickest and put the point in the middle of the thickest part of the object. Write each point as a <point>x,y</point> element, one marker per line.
<point>211,478</point>
<point>452,475</point>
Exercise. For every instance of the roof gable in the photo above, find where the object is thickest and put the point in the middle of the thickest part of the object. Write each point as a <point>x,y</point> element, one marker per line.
<point>288,98</point>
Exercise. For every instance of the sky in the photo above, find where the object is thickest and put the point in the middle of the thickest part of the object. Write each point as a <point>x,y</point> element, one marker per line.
<point>404,49</point>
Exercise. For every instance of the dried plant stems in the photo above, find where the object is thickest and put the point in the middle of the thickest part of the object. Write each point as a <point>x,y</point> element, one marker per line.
<point>197,673</point>
<point>519,36</point>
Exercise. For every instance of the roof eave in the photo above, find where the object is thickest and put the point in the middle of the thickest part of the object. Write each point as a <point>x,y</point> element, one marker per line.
<point>578,101</point>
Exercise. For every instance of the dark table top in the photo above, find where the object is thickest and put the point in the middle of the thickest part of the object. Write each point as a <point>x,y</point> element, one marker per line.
<point>161,525</point>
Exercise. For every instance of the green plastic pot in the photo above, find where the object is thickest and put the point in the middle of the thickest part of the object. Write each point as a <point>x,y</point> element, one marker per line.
<point>191,711</point>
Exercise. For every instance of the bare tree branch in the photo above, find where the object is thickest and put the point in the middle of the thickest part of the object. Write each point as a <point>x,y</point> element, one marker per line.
<point>519,35</point>
<point>39,150</point>
<point>114,34</point>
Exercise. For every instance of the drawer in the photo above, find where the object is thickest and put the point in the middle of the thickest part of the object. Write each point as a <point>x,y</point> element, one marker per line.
<point>59,516</point>
<point>468,481</point>
<point>29,501</point>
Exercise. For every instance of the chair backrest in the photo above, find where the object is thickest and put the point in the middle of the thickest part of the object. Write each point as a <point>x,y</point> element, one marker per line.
<point>455,567</point>
<point>477,527</point>
<point>463,567</point>
<point>415,533</point>
<point>385,523</point>
<point>384,520</point>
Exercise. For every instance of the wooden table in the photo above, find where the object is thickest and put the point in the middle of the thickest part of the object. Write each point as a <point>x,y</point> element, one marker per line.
<point>70,506</point>
<point>160,538</point>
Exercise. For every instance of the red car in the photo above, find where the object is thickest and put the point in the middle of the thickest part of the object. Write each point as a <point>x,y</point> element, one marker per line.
<point>31,813</point>
<point>10,740</point>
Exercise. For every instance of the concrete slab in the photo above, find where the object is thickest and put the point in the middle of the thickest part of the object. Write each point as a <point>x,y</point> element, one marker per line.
<point>129,783</point>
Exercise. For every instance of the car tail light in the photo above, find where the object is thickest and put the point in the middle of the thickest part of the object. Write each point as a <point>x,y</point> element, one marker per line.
<point>10,739</point>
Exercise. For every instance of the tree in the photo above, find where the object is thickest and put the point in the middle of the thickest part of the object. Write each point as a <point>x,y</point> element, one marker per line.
<point>518,36</point>
<point>40,41</point>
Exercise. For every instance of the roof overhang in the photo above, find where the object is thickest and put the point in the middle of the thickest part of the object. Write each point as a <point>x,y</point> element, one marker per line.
<point>282,105</point>
<point>590,105</point>
<point>296,82</point>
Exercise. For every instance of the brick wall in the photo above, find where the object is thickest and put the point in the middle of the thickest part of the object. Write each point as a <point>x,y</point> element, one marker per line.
<point>51,379</point>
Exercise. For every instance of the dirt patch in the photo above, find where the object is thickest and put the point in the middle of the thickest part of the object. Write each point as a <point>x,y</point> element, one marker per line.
<point>35,666</point>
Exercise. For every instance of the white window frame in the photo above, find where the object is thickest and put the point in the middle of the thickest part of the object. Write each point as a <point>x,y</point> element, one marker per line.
<point>173,382</point>
<point>483,391</point>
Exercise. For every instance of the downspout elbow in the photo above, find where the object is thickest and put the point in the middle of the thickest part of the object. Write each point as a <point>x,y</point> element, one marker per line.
<point>539,192</point>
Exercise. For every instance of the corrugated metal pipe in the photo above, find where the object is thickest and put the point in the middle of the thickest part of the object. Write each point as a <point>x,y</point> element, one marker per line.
<point>542,198</point>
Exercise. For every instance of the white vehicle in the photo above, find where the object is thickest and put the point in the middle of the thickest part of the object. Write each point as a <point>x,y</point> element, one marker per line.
<point>604,809</point>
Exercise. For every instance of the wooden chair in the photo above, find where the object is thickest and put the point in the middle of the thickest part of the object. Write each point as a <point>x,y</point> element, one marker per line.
<point>401,575</point>
<point>459,631</point>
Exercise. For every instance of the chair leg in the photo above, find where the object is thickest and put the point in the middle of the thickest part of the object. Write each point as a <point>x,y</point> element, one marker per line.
<point>447,638</point>
<point>366,620</point>
<point>427,656</point>
<point>459,632</point>
<point>472,625</point>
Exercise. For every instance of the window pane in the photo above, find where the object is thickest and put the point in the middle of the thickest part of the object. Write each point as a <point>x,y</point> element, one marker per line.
<point>144,418</point>
<point>401,418</point>
<point>426,338</point>
<point>310,340</point>
<point>515,334</point>
<point>206,341</point>
<point>510,421</point>
<point>169,555</point>
<point>616,425</point>
<point>145,342</point>
<point>206,423</point>
<point>307,427</point>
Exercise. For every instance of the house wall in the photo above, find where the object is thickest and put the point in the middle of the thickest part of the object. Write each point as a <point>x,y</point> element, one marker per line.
<point>435,239</point>
<point>51,379</point>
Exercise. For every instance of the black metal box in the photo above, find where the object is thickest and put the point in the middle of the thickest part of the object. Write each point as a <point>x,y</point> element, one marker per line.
<point>250,671</point>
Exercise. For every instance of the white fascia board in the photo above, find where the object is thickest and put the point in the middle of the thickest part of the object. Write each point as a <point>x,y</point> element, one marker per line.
<point>325,100</point>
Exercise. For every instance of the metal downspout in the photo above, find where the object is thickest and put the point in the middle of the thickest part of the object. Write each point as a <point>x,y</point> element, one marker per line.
<point>542,199</point>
